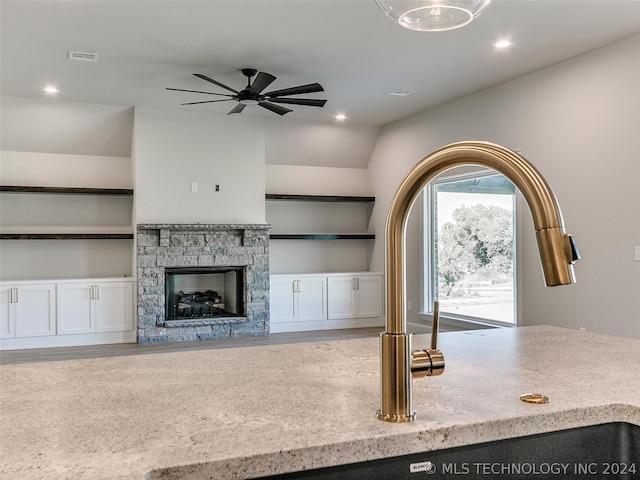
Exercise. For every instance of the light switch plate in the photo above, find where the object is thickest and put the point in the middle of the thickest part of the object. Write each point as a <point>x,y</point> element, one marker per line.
<point>637,254</point>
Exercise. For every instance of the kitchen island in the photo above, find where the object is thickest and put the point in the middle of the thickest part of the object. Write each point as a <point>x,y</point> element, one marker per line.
<point>236,413</point>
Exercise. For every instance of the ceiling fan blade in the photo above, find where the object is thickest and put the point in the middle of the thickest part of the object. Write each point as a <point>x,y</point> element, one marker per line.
<point>274,108</point>
<point>197,91</point>
<point>310,102</point>
<point>204,77</point>
<point>237,109</point>
<point>310,88</point>
<point>262,81</point>
<point>208,101</point>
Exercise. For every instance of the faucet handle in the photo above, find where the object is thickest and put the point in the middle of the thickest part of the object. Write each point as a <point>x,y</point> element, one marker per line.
<point>430,362</point>
<point>435,325</point>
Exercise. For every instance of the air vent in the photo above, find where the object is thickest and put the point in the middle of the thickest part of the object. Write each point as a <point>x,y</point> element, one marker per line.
<point>401,93</point>
<point>83,56</point>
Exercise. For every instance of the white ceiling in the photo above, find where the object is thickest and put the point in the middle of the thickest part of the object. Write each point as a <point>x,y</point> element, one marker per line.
<point>348,46</point>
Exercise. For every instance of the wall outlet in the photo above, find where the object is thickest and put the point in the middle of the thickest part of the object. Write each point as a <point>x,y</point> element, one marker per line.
<point>637,254</point>
<point>409,306</point>
<point>194,187</point>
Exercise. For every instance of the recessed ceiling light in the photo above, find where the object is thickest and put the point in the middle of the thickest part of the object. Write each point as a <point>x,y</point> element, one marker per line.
<point>502,44</point>
<point>340,116</point>
<point>51,89</point>
<point>401,93</point>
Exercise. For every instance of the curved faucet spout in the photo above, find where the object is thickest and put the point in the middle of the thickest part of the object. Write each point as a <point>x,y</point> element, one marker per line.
<point>557,251</point>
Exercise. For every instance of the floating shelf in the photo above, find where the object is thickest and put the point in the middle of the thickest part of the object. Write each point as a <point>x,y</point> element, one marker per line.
<point>66,233</point>
<point>66,236</point>
<point>320,198</point>
<point>322,236</point>
<point>66,190</point>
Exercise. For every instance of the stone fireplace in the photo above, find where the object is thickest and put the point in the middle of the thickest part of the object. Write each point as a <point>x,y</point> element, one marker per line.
<point>202,282</point>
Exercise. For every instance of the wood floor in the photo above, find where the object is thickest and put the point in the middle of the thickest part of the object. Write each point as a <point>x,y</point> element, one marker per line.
<point>13,357</point>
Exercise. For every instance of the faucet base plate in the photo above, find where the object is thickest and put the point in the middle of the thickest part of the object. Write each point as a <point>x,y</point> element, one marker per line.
<point>396,418</point>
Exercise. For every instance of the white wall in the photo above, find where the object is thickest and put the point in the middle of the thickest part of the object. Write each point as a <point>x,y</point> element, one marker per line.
<point>64,170</point>
<point>299,180</point>
<point>56,126</point>
<point>577,122</point>
<point>173,148</point>
<point>291,141</point>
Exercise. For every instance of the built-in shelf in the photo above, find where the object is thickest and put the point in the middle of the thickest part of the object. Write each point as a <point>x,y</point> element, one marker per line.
<point>65,232</point>
<point>320,198</point>
<point>322,236</point>
<point>66,236</point>
<point>66,190</point>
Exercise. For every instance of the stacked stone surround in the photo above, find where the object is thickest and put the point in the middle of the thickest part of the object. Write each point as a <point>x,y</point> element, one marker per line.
<point>186,245</point>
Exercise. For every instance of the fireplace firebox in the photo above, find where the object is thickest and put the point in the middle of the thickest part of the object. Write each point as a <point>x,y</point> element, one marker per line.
<point>204,292</point>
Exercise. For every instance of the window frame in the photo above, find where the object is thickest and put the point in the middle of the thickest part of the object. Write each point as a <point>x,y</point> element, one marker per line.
<point>428,277</point>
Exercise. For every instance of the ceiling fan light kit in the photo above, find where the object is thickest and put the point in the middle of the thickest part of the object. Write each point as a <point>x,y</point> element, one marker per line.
<point>252,93</point>
<point>432,15</point>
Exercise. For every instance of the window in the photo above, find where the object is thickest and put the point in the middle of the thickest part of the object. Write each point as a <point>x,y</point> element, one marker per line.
<point>470,257</point>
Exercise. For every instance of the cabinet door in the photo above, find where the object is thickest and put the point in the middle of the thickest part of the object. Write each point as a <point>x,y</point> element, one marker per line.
<point>340,303</point>
<point>35,310</point>
<point>282,305</point>
<point>6,313</point>
<point>114,306</point>
<point>369,296</point>
<point>312,298</point>
<point>76,311</point>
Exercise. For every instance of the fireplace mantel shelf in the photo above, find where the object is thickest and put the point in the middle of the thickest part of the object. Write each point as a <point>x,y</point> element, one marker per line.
<point>203,226</point>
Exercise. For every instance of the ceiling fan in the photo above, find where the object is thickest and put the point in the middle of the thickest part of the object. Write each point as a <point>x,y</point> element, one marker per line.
<point>252,93</point>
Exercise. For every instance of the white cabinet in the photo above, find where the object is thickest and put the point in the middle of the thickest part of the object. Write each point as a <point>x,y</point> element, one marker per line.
<point>76,308</point>
<point>325,301</point>
<point>298,298</point>
<point>95,307</point>
<point>27,310</point>
<point>7,312</point>
<point>354,296</point>
<point>66,312</point>
<point>114,307</point>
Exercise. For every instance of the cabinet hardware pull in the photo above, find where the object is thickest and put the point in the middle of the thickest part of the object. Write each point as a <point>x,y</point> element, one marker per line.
<point>16,296</point>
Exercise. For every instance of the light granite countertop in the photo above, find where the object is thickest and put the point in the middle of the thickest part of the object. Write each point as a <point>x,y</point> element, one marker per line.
<point>242,412</point>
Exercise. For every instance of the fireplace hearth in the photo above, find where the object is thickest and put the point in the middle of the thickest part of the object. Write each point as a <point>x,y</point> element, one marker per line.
<point>201,282</point>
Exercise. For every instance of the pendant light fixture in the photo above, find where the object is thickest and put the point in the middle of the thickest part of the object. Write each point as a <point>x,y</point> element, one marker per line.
<point>432,15</point>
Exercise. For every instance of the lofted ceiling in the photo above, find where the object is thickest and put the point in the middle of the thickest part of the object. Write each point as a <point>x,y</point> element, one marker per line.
<point>348,46</point>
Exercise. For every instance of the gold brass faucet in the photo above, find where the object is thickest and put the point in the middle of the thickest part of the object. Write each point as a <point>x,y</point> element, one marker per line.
<point>557,254</point>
